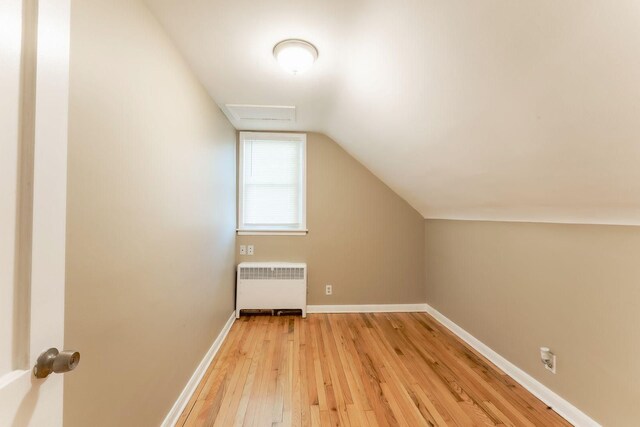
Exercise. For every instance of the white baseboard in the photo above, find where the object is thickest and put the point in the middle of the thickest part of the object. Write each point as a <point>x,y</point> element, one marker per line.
<point>174,414</point>
<point>560,405</point>
<point>367,308</point>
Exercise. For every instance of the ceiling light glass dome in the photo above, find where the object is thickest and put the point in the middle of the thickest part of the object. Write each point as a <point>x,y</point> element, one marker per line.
<point>295,56</point>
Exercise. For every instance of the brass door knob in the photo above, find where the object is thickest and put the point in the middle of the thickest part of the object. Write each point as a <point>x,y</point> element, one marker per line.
<point>56,361</point>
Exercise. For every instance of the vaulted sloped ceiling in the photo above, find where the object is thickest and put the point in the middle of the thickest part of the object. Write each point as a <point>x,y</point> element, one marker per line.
<point>469,109</point>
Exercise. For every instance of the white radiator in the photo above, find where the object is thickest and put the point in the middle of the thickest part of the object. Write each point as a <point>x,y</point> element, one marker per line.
<point>271,285</point>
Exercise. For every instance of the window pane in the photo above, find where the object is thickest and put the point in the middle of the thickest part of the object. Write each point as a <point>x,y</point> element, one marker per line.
<point>271,162</point>
<point>271,205</point>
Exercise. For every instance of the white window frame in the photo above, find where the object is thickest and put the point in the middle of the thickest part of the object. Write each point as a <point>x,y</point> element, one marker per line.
<point>272,230</point>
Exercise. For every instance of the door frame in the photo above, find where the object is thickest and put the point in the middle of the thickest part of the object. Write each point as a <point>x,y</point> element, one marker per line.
<point>25,400</point>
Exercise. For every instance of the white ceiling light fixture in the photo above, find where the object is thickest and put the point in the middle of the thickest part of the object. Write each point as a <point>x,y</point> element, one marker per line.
<point>295,56</point>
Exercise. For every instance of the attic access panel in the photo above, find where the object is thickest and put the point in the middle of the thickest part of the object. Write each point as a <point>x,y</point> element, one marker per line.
<point>281,113</point>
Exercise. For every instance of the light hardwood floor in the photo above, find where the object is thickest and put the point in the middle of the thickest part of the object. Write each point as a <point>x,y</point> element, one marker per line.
<point>356,370</point>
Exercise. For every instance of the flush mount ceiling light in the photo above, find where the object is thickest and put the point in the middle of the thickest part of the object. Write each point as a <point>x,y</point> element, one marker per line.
<point>295,56</point>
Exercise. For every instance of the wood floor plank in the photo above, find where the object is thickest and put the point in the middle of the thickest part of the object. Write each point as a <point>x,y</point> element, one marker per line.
<point>383,369</point>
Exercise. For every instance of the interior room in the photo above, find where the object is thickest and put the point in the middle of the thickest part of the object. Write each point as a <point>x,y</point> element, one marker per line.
<point>319,213</point>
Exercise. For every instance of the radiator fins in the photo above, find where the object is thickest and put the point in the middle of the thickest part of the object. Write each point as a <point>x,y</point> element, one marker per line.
<point>271,273</point>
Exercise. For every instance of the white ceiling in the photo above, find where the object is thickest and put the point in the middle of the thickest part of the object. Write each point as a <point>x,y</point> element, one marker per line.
<point>475,109</point>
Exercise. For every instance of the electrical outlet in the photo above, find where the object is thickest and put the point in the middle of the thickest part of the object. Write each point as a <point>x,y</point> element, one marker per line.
<point>243,249</point>
<point>548,359</point>
<point>328,290</point>
<point>551,366</point>
<point>250,250</point>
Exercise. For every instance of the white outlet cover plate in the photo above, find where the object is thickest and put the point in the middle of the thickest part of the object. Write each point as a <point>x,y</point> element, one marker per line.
<point>554,364</point>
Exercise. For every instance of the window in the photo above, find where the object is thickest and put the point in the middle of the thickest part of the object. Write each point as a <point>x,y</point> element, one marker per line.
<point>272,181</point>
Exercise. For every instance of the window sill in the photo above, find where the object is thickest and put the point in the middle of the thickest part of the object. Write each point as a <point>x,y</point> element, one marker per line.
<point>272,232</point>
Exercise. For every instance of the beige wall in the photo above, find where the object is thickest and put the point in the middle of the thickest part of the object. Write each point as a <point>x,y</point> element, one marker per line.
<point>151,218</point>
<point>363,238</point>
<point>573,288</point>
